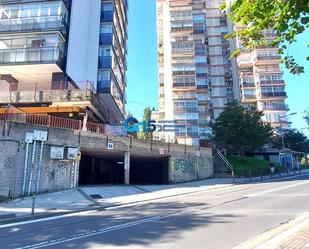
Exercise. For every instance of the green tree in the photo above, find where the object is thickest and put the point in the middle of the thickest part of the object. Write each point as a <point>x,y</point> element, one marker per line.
<point>240,129</point>
<point>307,117</point>
<point>293,139</point>
<point>146,119</point>
<point>287,18</point>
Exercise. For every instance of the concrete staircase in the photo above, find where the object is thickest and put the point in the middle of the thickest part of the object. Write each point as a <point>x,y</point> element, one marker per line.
<point>222,168</point>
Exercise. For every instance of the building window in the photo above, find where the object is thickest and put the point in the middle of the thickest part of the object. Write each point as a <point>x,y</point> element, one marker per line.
<point>105,51</point>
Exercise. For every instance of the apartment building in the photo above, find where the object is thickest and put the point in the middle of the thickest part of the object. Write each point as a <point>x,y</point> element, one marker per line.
<point>195,72</point>
<point>259,79</point>
<point>261,82</point>
<point>64,58</point>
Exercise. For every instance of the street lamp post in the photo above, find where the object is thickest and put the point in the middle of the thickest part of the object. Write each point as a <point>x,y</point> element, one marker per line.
<point>280,123</point>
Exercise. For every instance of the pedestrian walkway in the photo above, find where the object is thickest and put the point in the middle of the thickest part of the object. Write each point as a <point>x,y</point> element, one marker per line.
<point>298,240</point>
<point>63,201</point>
<point>291,235</point>
<point>109,196</point>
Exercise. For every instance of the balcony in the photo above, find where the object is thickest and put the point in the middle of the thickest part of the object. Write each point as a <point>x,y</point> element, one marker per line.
<point>271,82</point>
<point>248,85</point>
<point>183,72</point>
<point>39,23</point>
<point>273,94</point>
<point>104,86</point>
<point>32,56</point>
<point>281,107</point>
<point>84,93</point>
<point>105,61</point>
<point>106,39</point>
<point>248,97</point>
<point>202,87</point>
<point>266,59</point>
<point>246,74</point>
<point>107,16</point>
<point>184,86</point>
<point>181,29</point>
<point>186,109</point>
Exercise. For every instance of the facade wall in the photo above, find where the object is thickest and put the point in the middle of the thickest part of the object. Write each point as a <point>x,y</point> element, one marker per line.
<point>56,175</point>
<point>195,79</point>
<point>185,168</point>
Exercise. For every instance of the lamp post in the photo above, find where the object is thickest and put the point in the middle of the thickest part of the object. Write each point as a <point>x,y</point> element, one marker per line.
<point>280,123</point>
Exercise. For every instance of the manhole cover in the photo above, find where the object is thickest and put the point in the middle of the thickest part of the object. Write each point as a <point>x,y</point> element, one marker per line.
<point>96,196</point>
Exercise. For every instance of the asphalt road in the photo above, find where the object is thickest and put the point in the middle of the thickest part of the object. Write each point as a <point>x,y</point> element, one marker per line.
<point>220,218</point>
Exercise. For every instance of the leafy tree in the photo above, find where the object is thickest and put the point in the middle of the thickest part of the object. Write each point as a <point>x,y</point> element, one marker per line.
<point>288,18</point>
<point>293,139</point>
<point>307,117</point>
<point>238,128</point>
<point>146,119</point>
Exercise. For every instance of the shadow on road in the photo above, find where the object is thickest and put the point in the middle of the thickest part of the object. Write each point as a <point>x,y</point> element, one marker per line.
<point>107,228</point>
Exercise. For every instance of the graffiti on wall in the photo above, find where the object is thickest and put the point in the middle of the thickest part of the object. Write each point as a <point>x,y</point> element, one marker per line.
<point>184,165</point>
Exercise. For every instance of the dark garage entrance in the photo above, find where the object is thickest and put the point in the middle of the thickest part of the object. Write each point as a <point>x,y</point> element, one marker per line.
<point>149,170</point>
<point>108,169</point>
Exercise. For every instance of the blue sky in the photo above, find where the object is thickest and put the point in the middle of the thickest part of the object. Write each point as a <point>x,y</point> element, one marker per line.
<point>142,88</point>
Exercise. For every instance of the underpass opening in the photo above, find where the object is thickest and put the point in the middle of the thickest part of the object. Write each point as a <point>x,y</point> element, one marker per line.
<point>149,170</point>
<point>107,168</point>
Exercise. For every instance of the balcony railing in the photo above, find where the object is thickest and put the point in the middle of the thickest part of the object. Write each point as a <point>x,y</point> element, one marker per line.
<point>276,107</point>
<point>249,96</point>
<point>273,94</point>
<point>37,23</point>
<point>31,55</point>
<point>105,61</point>
<point>107,16</point>
<point>248,84</point>
<point>271,82</point>
<point>180,85</point>
<point>185,109</point>
<point>83,92</point>
<point>106,39</point>
<point>267,57</point>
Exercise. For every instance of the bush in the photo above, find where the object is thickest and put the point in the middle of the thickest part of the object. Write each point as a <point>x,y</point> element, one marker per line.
<point>248,166</point>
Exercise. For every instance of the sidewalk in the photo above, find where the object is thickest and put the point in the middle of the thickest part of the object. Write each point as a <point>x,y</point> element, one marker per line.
<point>291,235</point>
<point>109,196</point>
<point>83,199</point>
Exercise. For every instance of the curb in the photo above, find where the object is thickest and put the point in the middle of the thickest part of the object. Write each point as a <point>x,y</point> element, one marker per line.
<point>272,238</point>
<point>100,207</point>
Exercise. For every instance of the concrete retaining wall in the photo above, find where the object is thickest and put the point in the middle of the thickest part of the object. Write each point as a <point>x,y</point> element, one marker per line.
<point>185,162</point>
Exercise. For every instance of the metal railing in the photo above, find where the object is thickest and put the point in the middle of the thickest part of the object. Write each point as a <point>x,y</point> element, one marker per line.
<point>31,55</point>
<point>228,164</point>
<point>51,121</point>
<point>61,91</point>
<point>33,23</point>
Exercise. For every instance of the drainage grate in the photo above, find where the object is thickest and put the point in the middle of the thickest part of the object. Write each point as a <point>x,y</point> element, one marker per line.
<point>96,196</point>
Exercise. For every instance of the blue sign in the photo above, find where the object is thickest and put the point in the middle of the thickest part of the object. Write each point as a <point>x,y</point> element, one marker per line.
<point>132,125</point>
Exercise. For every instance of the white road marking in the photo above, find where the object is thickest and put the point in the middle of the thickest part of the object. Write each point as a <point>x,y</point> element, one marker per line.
<point>277,189</point>
<point>137,203</point>
<point>105,230</point>
<point>48,219</point>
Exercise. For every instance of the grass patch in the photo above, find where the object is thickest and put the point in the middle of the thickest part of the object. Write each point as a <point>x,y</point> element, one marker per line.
<point>250,166</point>
<point>3,198</point>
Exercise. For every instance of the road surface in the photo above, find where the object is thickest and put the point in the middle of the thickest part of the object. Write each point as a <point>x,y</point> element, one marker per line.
<point>219,218</point>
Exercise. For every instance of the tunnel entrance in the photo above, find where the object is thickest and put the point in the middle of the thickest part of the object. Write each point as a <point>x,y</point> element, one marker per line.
<point>106,169</point>
<point>149,170</point>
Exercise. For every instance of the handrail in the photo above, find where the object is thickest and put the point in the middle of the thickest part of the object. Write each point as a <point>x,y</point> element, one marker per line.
<point>230,166</point>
